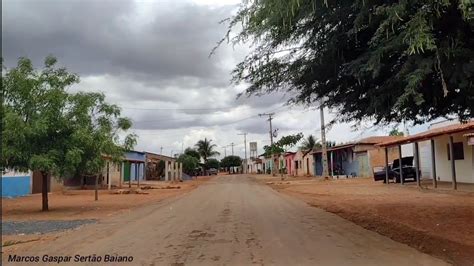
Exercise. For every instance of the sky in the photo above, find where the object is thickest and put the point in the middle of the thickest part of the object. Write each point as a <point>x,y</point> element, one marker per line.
<point>152,59</point>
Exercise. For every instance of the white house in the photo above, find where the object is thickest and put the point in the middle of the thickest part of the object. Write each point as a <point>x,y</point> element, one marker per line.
<point>436,148</point>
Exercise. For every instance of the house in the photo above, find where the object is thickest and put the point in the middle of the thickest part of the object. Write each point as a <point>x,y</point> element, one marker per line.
<point>16,184</point>
<point>132,168</point>
<point>255,166</point>
<point>156,164</point>
<point>290,163</point>
<point>356,158</point>
<point>451,155</point>
<point>300,163</point>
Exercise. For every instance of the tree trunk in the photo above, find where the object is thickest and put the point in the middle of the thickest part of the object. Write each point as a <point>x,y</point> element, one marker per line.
<point>44,191</point>
<point>96,187</point>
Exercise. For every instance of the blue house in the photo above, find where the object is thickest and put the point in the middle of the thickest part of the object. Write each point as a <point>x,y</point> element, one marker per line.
<point>134,166</point>
<point>16,184</point>
<point>353,159</point>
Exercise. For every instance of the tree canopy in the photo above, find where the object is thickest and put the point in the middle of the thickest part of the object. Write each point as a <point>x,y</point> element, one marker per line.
<point>190,163</point>
<point>395,132</point>
<point>192,152</point>
<point>206,149</point>
<point>282,144</point>
<point>384,61</point>
<point>231,161</point>
<point>45,128</point>
<point>212,163</point>
<point>310,143</point>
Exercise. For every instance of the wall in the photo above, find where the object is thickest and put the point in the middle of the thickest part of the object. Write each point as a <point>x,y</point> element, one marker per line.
<point>15,184</point>
<point>133,170</point>
<point>377,156</point>
<point>424,149</point>
<point>464,168</point>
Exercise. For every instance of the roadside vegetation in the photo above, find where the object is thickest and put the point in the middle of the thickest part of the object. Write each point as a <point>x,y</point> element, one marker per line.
<point>48,128</point>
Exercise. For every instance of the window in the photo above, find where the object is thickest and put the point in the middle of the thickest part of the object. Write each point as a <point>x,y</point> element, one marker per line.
<point>458,151</point>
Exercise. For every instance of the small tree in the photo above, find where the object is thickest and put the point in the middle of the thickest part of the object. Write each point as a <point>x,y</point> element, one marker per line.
<point>190,163</point>
<point>46,129</point>
<point>395,132</point>
<point>231,161</point>
<point>96,135</point>
<point>212,163</point>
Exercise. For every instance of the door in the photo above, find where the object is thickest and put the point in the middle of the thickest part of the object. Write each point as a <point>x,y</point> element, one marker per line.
<point>363,165</point>
<point>126,171</point>
<point>307,166</point>
<point>38,182</point>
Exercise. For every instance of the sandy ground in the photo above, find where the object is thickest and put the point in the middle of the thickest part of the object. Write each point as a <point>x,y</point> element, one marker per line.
<point>439,223</point>
<point>230,220</point>
<point>81,204</point>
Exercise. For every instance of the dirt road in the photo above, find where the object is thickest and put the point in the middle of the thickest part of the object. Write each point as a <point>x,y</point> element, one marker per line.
<point>231,220</point>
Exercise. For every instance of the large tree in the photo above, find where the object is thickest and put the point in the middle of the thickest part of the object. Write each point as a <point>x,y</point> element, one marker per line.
<point>206,149</point>
<point>386,61</point>
<point>192,152</point>
<point>45,128</point>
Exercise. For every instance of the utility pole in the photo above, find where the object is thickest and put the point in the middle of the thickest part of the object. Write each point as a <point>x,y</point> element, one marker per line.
<point>161,150</point>
<point>225,151</point>
<point>245,150</point>
<point>324,157</point>
<point>270,118</point>
<point>232,145</point>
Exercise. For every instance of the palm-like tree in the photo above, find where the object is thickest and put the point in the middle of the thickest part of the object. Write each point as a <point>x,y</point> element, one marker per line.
<point>206,149</point>
<point>309,144</point>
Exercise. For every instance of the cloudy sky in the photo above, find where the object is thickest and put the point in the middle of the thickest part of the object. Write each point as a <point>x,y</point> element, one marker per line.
<point>152,59</point>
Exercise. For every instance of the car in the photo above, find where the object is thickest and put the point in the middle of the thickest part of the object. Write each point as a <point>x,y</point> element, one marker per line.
<point>408,171</point>
<point>212,171</point>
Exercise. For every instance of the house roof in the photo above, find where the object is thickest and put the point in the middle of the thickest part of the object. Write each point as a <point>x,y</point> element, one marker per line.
<point>426,135</point>
<point>365,141</point>
<point>156,155</point>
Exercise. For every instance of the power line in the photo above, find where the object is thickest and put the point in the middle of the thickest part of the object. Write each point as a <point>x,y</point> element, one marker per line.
<point>177,109</point>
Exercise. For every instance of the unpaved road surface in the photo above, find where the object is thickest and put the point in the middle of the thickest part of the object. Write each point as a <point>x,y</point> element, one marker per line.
<point>231,220</point>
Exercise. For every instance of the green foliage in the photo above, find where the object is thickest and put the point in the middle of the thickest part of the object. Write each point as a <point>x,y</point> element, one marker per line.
<point>387,61</point>
<point>206,149</point>
<point>212,163</point>
<point>47,129</point>
<point>192,152</point>
<point>190,163</point>
<point>231,161</point>
<point>310,143</point>
<point>282,144</point>
<point>395,132</point>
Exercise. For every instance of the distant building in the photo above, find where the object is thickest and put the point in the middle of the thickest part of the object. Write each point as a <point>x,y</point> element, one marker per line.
<point>356,158</point>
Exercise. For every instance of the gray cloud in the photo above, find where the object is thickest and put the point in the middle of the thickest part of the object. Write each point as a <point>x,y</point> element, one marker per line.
<point>166,48</point>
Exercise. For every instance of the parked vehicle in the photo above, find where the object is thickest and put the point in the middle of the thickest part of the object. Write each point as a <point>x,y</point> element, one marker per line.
<point>212,171</point>
<point>408,171</point>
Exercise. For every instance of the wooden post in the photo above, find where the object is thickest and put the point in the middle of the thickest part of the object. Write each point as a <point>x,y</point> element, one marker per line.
<point>130,178</point>
<point>453,162</point>
<point>137,169</point>
<point>417,164</point>
<point>109,178</point>
<point>332,164</point>
<point>386,165</point>
<point>402,181</point>
<point>433,163</point>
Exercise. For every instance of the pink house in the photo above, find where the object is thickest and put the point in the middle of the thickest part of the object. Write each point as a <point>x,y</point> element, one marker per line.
<point>290,167</point>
